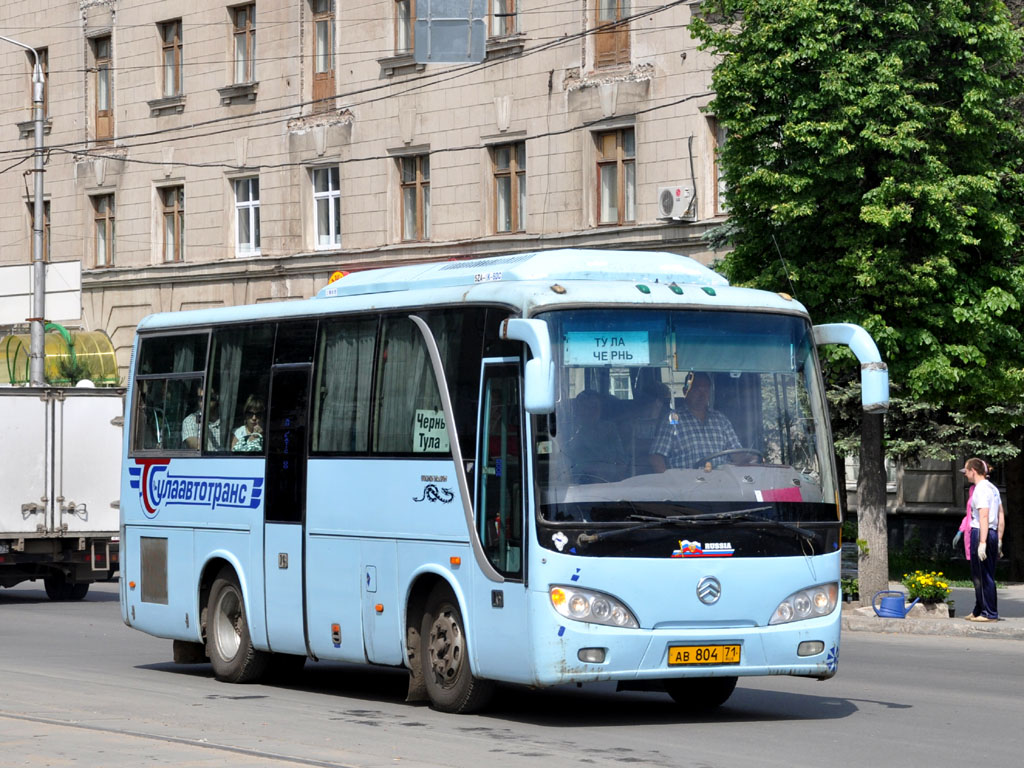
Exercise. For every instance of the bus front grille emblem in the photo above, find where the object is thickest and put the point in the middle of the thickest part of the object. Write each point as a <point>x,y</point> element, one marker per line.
<point>709,590</point>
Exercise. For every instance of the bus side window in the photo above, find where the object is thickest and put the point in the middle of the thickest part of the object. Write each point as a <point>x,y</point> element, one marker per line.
<point>240,380</point>
<point>169,379</point>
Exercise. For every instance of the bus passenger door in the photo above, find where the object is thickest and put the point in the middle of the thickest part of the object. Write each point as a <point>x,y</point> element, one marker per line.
<point>285,508</point>
<point>499,612</point>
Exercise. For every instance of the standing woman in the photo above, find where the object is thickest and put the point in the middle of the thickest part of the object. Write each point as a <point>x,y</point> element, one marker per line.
<point>986,539</point>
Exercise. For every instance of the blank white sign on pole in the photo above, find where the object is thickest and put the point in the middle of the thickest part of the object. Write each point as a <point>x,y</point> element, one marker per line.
<point>63,292</point>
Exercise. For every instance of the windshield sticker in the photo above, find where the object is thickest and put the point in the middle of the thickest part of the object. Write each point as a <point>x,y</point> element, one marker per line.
<point>779,494</point>
<point>607,348</point>
<point>560,540</point>
<point>696,549</point>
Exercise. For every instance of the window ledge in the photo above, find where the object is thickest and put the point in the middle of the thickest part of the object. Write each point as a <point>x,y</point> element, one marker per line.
<point>238,92</point>
<point>166,105</point>
<point>506,45</point>
<point>403,63</point>
<point>27,129</point>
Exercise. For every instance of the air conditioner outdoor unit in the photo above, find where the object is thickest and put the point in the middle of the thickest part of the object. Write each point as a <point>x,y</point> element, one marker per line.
<point>677,202</point>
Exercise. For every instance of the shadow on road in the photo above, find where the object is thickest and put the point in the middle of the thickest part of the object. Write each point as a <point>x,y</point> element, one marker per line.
<point>592,705</point>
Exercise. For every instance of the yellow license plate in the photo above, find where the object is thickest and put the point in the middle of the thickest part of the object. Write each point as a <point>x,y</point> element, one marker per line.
<point>679,655</point>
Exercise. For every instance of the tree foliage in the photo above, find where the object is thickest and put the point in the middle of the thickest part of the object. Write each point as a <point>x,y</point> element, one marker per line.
<point>874,166</point>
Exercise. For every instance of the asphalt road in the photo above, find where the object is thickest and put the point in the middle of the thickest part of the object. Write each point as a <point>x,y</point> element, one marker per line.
<point>78,688</point>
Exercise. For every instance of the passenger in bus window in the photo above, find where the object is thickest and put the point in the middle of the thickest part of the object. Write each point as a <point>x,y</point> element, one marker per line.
<point>192,426</point>
<point>696,433</point>
<point>248,438</point>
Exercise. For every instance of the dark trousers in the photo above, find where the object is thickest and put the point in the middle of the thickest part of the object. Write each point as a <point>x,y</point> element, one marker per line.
<point>983,574</point>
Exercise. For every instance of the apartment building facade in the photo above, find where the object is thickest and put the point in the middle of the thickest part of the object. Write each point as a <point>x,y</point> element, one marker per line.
<point>222,152</point>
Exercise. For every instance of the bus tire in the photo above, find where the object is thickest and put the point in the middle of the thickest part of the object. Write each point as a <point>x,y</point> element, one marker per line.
<point>700,694</point>
<point>444,656</point>
<point>228,643</point>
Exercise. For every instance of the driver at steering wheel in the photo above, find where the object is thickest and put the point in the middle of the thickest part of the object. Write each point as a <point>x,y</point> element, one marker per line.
<point>698,431</point>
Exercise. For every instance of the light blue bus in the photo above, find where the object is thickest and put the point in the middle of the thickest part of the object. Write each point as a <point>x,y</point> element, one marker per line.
<point>544,468</point>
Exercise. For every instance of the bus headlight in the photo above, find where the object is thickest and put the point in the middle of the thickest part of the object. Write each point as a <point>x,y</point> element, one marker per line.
<point>591,606</point>
<point>807,604</point>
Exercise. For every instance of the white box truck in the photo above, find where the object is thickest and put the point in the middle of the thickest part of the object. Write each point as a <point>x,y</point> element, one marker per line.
<point>60,470</point>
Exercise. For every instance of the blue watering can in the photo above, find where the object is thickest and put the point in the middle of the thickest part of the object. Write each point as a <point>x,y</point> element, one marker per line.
<point>891,605</point>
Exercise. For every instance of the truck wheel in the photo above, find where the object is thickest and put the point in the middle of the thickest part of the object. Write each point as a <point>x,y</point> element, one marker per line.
<point>444,656</point>
<point>56,585</point>
<point>228,643</point>
<point>78,590</point>
<point>700,694</point>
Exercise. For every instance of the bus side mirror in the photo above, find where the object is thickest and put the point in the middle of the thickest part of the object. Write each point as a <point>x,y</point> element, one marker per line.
<point>874,374</point>
<point>539,372</point>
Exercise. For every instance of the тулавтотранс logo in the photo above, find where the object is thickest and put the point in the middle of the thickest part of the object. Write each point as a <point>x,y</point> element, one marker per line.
<point>160,487</point>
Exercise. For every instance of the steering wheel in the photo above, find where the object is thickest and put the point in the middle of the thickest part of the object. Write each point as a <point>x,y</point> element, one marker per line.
<point>728,452</point>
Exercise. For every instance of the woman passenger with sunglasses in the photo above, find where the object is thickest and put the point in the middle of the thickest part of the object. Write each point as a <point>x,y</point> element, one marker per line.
<point>248,438</point>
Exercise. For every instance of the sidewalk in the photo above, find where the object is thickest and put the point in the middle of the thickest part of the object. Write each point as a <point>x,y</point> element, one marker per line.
<point>1010,600</point>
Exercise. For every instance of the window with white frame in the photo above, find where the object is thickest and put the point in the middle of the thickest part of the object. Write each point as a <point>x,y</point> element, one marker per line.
<point>327,207</point>
<point>247,216</point>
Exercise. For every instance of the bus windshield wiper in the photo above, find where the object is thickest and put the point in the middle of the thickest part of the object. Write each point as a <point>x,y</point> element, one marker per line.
<point>752,515</point>
<point>654,521</point>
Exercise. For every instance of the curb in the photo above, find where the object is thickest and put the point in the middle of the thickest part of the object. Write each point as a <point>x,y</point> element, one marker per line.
<point>1002,630</point>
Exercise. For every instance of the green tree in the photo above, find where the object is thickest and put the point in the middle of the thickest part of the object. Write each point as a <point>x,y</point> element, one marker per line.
<point>874,169</point>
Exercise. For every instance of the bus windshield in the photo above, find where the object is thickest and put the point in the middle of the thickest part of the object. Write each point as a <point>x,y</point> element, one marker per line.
<point>683,412</point>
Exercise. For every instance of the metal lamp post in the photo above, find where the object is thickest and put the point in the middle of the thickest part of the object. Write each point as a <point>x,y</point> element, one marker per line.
<point>37,377</point>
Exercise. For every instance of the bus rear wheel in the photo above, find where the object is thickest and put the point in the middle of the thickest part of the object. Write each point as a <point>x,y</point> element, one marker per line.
<point>444,655</point>
<point>228,643</point>
<point>700,694</point>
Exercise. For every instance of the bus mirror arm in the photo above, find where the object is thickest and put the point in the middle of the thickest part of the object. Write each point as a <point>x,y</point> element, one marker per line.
<point>539,372</point>
<point>874,374</point>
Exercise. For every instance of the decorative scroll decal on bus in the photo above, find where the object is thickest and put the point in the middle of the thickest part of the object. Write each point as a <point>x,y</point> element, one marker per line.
<point>158,488</point>
<point>432,493</point>
<point>696,549</point>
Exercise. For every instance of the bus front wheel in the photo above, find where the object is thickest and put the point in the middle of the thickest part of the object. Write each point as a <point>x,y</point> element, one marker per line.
<point>228,643</point>
<point>700,694</point>
<point>445,657</point>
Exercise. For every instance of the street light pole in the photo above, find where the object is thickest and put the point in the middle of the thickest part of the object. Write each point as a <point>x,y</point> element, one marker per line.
<point>37,376</point>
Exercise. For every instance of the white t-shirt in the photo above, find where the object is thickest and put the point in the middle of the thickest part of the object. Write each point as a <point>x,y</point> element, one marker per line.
<point>985,495</point>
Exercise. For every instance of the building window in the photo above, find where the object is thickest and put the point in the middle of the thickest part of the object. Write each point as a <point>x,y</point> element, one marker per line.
<point>718,137</point>
<point>405,23</point>
<point>616,173</point>
<point>327,207</point>
<point>503,18</point>
<point>244,22</point>
<point>172,204</point>
<point>510,187</point>
<point>170,35</point>
<point>323,54</point>
<point>611,41</point>
<point>104,98</point>
<point>32,230</point>
<point>415,171</point>
<point>247,216</point>
<point>103,226</point>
